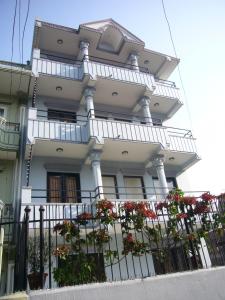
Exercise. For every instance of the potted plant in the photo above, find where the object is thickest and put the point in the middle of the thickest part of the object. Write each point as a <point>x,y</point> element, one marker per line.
<point>34,278</point>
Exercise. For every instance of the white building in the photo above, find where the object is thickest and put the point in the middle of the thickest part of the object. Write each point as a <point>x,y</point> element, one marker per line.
<point>95,129</point>
<point>95,120</point>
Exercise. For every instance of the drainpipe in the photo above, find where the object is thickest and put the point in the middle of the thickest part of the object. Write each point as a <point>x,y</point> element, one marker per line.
<point>1,237</point>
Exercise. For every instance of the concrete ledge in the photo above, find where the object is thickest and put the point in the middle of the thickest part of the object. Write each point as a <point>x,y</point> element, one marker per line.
<point>204,284</point>
<point>16,296</point>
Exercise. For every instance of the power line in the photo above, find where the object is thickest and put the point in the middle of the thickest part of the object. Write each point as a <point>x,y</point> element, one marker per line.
<point>20,57</point>
<point>25,24</point>
<point>24,29</point>
<point>12,50</point>
<point>178,67</point>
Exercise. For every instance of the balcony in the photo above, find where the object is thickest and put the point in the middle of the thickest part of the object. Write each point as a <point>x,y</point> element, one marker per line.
<point>106,69</point>
<point>126,239</point>
<point>9,135</point>
<point>125,129</point>
<point>166,88</point>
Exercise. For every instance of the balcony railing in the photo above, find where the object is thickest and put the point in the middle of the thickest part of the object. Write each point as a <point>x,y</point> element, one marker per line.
<point>118,240</point>
<point>58,131</point>
<point>166,89</point>
<point>123,127</point>
<point>97,69</point>
<point>108,69</point>
<point>60,69</point>
<point>9,135</point>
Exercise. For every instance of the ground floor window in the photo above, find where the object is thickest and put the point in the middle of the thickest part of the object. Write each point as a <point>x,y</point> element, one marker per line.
<point>63,187</point>
<point>134,186</point>
<point>110,186</point>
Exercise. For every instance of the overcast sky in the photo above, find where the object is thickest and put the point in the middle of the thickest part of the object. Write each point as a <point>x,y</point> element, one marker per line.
<point>198,29</point>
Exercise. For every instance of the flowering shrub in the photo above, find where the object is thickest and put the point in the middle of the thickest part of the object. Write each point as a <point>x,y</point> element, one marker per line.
<point>181,221</point>
<point>105,211</point>
<point>133,246</point>
<point>83,218</point>
<point>136,213</point>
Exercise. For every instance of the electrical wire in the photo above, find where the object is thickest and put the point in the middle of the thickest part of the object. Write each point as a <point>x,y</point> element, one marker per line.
<point>25,24</point>
<point>24,29</point>
<point>20,55</point>
<point>178,67</point>
<point>12,49</point>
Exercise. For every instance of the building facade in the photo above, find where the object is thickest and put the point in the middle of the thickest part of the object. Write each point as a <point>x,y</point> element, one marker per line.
<point>91,115</point>
<point>96,116</point>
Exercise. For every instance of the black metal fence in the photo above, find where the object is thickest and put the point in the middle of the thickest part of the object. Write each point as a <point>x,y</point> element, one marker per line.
<point>78,243</point>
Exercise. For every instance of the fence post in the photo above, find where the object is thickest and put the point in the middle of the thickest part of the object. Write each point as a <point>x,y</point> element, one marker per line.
<point>41,210</point>
<point>26,223</point>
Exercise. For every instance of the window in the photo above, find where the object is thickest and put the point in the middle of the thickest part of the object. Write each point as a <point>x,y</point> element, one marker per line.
<point>63,188</point>
<point>134,187</point>
<point>3,111</point>
<point>110,186</point>
<point>63,116</point>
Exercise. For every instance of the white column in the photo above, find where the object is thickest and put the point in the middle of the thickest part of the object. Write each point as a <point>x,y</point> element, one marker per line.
<point>95,157</point>
<point>133,58</point>
<point>145,105</point>
<point>89,101</point>
<point>158,163</point>
<point>1,208</point>
<point>35,58</point>
<point>83,55</point>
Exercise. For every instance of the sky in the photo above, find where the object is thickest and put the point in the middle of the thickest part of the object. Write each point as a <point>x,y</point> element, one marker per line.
<point>198,28</point>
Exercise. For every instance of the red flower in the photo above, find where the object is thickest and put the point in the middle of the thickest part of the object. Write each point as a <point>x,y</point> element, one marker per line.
<point>174,197</point>
<point>140,206</point>
<point>161,205</point>
<point>129,206</point>
<point>181,216</point>
<point>84,216</point>
<point>201,208</point>
<point>129,238</point>
<point>104,204</point>
<point>150,214</point>
<point>189,200</point>
<point>207,197</point>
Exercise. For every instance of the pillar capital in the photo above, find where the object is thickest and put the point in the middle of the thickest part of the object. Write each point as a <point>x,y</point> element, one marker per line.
<point>84,45</point>
<point>95,156</point>
<point>158,160</point>
<point>89,91</point>
<point>133,59</point>
<point>144,101</point>
<point>133,56</point>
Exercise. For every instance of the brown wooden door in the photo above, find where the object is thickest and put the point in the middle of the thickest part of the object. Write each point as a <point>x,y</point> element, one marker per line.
<point>63,188</point>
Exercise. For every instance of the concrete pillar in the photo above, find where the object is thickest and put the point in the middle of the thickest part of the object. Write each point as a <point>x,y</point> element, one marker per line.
<point>133,59</point>
<point>121,186</point>
<point>89,101</point>
<point>95,157</point>
<point>144,102</point>
<point>83,55</point>
<point>35,59</point>
<point>158,163</point>
<point>1,208</point>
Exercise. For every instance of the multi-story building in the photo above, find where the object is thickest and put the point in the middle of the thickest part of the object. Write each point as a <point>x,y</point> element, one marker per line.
<point>96,117</point>
<point>98,100</point>
<point>14,85</point>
